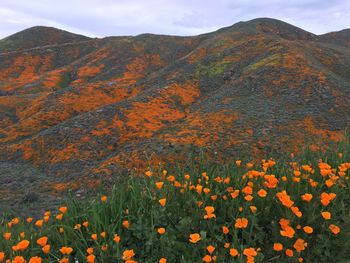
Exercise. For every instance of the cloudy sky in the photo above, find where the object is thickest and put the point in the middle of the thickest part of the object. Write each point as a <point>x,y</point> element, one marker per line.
<point>99,18</point>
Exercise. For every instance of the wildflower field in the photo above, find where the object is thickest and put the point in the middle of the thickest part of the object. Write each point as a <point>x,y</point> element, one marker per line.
<point>294,209</point>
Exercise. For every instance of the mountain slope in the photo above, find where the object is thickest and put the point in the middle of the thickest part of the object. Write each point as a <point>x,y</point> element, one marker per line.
<point>85,110</point>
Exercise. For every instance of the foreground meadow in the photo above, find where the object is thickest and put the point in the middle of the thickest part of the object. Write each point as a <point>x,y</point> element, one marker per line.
<point>295,210</point>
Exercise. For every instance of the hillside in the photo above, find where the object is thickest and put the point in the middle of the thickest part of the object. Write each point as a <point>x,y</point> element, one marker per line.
<point>74,110</point>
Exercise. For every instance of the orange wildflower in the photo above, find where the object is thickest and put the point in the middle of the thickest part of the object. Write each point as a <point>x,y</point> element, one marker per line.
<point>287,232</point>
<point>250,252</point>
<point>241,223</point>
<point>39,223</point>
<point>327,198</point>
<point>234,252</point>
<point>284,198</point>
<point>210,249</point>
<point>326,215</point>
<point>234,194</point>
<point>289,252</point>
<point>296,211</point>
<point>63,209</point>
<point>162,260</point>
<point>22,245</point>
<point>161,230</point>
<point>35,260</point>
<point>308,229</point>
<point>225,230</point>
<point>194,238</point>
<point>277,246</point>
<point>159,185</point>
<point>90,258</point>
<point>66,250</point>
<point>128,254</point>
<point>42,241</point>
<point>300,245</point>
<point>262,193</point>
<point>104,198</point>
<point>162,201</point>
<point>126,224</point>
<point>248,198</point>
<point>306,197</point>
<point>46,249</point>
<point>207,258</point>
<point>116,238</point>
<point>7,235</point>
<point>334,229</point>
<point>18,259</point>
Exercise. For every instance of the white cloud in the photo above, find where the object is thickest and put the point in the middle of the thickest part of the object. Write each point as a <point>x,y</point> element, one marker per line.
<point>176,17</point>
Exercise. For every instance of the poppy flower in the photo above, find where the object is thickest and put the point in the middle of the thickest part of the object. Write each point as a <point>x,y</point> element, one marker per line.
<point>63,209</point>
<point>306,197</point>
<point>7,235</point>
<point>225,230</point>
<point>326,215</point>
<point>162,201</point>
<point>22,245</point>
<point>308,229</point>
<point>18,259</point>
<point>194,238</point>
<point>277,246</point>
<point>250,252</point>
<point>162,260</point>
<point>35,260</point>
<point>126,224</point>
<point>90,250</point>
<point>128,254</point>
<point>207,258</point>
<point>104,198</point>
<point>2,256</point>
<point>90,258</point>
<point>66,250</point>
<point>161,230</point>
<point>262,193</point>
<point>159,185</point>
<point>334,229</point>
<point>116,238</point>
<point>42,241</point>
<point>210,249</point>
<point>39,223</point>
<point>287,232</point>
<point>300,245</point>
<point>289,252</point>
<point>241,223</point>
<point>234,252</point>
<point>46,249</point>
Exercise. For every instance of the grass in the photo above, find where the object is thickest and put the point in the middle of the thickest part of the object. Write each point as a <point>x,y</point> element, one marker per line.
<point>269,211</point>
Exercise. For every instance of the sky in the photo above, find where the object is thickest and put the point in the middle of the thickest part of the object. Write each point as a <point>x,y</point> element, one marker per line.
<point>99,18</point>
